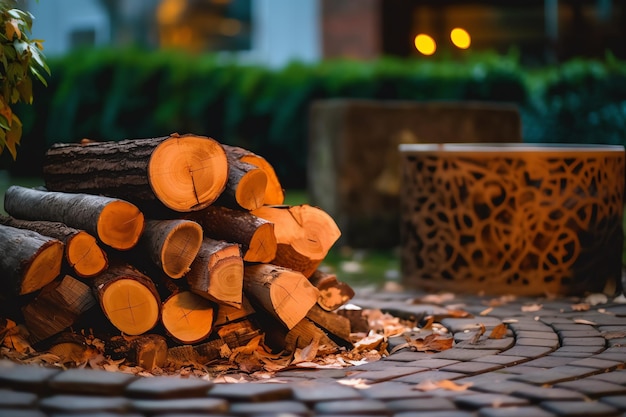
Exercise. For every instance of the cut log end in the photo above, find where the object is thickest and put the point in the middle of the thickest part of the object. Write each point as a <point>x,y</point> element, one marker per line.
<point>120,225</point>
<point>274,193</point>
<point>188,173</point>
<point>130,306</point>
<point>187,317</point>
<point>262,247</point>
<point>250,193</point>
<point>45,267</point>
<point>85,256</point>
<point>180,249</point>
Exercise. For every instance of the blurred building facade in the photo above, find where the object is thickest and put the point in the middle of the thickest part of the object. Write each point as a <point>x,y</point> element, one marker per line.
<point>275,32</point>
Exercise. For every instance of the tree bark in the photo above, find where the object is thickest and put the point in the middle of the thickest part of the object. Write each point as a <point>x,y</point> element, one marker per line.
<point>274,192</point>
<point>227,313</point>
<point>149,351</point>
<point>183,172</point>
<point>245,188</point>
<point>82,253</point>
<point>304,235</point>
<point>285,294</point>
<point>333,293</point>
<point>57,307</point>
<point>29,261</point>
<point>128,298</point>
<point>114,222</point>
<point>217,272</point>
<point>199,354</point>
<point>171,245</point>
<point>187,317</point>
<point>254,234</point>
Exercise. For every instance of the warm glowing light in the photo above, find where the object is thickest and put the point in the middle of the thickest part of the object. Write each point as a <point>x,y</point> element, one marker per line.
<point>170,11</point>
<point>460,38</point>
<point>425,44</point>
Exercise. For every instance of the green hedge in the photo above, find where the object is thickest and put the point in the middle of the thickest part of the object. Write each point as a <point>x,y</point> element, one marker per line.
<point>117,94</point>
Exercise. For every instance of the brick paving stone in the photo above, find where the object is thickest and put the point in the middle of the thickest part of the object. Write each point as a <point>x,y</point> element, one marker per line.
<point>579,408</point>
<point>533,326</point>
<point>527,341</point>
<point>477,401</point>
<point>16,399</point>
<point>363,407</point>
<point>374,366</point>
<point>581,349</point>
<point>471,367</point>
<point>167,387</point>
<point>572,326</point>
<point>66,403</point>
<point>486,343</point>
<point>612,356</point>
<point>598,363</point>
<point>15,412</point>
<point>521,369</point>
<point>583,341</point>
<point>431,363</point>
<point>617,342</point>
<point>385,375</point>
<point>314,373</point>
<point>550,361</point>
<point>579,333</point>
<point>30,378</point>
<point>180,405</point>
<point>421,404</point>
<point>570,354</point>
<point>555,375</point>
<point>462,354</point>
<point>90,381</point>
<point>593,388</point>
<point>445,413</point>
<point>505,360</point>
<point>251,392</point>
<point>551,335</point>
<point>460,324</point>
<point>432,376</point>
<point>616,377</point>
<point>537,394</point>
<point>617,401</point>
<point>312,391</point>
<point>491,385</point>
<point>525,411</point>
<point>527,351</point>
<point>275,408</point>
<point>392,390</point>
<point>407,355</point>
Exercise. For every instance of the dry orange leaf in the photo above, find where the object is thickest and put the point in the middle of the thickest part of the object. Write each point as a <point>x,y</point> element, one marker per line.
<point>445,384</point>
<point>498,332</point>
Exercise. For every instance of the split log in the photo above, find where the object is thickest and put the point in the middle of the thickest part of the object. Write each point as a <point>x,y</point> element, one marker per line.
<point>128,298</point>
<point>245,188</point>
<point>274,192</point>
<point>82,253</point>
<point>187,317</point>
<point>333,293</point>
<point>228,313</point>
<point>285,294</point>
<point>304,235</point>
<point>337,327</point>
<point>238,333</point>
<point>148,351</point>
<point>183,172</point>
<point>305,333</point>
<point>172,245</point>
<point>200,354</point>
<point>35,260</point>
<point>217,272</point>
<point>114,222</point>
<point>57,307</point>
<point>254,234</point>
<point>71,348</point>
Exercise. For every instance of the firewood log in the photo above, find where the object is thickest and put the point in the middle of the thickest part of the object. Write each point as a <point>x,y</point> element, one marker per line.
<point>305,333</point>
<point>274,192</point>
<point>245,188</point>
<point>255,235</point>
<point>226,313</point>
<point>57,307</point>
<point>148,351</point>
<point>70,347</point>
<point>114,222</point>
<point>181,172</point>
<point>187,317</point>
<point>285,294</point>
<point>217,272</point>
<point>29,260</point>
<point>304,235</point>
<point>333,293</point>
<point>128,298</point>
<point>199,354</point>
<point>336,327</point>
<point>238,333</point>
<point>171,245</point>
<point>82,253</point>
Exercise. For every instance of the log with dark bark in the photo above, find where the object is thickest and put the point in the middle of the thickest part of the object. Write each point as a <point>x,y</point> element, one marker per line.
<point>187,317</point>
<point>254,234</point>
<point>82,253</point>
<point>217,272</point>
<point>336,327</point>
<point>245,188</point>
<point>333,293</point>
<point>114,222</point>
<point>304,235</point>
<point>200,354</point>
<point>148,351</point>
<point>171,245</point>
<point>29,260</point>
<point>182,172</point>
<point>274,192</point>
<point>227,313</point>
<point>128,298</point>
<point>57,307</point>
<point>285,294</point>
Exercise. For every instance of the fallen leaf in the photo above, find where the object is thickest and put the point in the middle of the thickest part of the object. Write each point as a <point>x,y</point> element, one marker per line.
<point>444,384</point>
<point>581,307</point>
<point>498,332</point>
<point>486,311</point>
<point>479,333</point>
<point>431,343</point>
<point>531,307</point>
<point>583,321</point>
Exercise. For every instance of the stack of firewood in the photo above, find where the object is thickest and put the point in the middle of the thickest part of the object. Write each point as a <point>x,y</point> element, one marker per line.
<point>173,250</point>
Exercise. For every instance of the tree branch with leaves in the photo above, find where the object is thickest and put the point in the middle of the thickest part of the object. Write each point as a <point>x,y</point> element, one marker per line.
<point>21,61</point>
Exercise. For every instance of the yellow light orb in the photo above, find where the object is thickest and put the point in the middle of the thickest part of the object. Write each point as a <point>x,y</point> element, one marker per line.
<point>460,38</point>
<point>425,44</point>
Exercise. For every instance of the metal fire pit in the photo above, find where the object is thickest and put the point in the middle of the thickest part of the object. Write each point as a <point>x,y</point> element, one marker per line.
<point>512,218</point>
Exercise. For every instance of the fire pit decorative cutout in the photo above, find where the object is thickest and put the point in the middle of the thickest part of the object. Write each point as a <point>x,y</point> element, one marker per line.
<point>512,218</point>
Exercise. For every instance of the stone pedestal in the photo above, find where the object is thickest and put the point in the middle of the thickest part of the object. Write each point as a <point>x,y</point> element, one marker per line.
<point>513,218</point>
<point>353,165</point>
